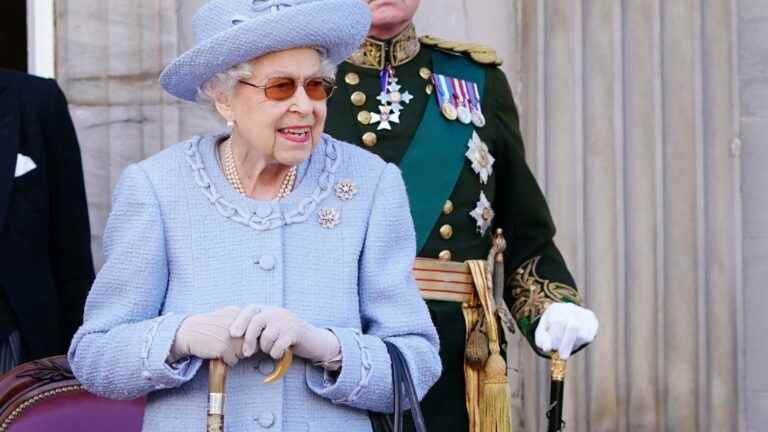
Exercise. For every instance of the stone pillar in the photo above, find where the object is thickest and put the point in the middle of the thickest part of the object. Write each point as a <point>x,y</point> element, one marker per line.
<point>629,123</point>
<point>109,56</point>
<point>753,86</point>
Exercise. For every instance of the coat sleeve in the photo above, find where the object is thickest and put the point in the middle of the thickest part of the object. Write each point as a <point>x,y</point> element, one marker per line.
<point>120,350</point>
<point>391,309</point>
<point>536,272</point>
<point>70,230</point>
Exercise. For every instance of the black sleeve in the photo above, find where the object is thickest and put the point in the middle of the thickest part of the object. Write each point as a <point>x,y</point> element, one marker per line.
<point>70,234</point>
<point>536,273</point>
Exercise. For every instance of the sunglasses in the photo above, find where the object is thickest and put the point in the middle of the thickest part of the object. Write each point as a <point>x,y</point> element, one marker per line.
<point>283,88</point>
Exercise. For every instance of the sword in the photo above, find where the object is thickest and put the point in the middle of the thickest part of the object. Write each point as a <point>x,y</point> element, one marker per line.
<point>217,378</point>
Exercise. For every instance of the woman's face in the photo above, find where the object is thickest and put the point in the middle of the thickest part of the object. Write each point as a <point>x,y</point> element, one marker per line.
<point>279,131</point>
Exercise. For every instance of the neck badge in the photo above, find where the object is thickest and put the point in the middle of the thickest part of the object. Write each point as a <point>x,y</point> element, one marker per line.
<point>391,98</point>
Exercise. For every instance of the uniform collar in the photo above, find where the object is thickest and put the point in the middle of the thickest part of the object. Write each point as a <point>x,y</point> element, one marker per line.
<point>376,54</point>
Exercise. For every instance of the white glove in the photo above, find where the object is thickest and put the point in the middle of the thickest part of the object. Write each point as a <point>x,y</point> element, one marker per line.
<point>273,330</point>
<point>206,336</point>
<point>564,327</point>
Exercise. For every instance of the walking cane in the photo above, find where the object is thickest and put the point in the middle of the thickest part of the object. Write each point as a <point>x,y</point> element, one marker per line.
<point>217,378</point>
<point>555,410</point>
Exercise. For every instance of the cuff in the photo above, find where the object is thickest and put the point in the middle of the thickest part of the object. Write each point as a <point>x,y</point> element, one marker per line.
<point>356,369</point>
<point>157,346</point>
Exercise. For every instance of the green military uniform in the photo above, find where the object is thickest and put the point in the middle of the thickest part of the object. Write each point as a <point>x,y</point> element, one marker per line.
<point>537,274</point>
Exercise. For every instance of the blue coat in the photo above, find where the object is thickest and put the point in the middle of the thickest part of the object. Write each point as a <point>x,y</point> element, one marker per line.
<point>180,240</point>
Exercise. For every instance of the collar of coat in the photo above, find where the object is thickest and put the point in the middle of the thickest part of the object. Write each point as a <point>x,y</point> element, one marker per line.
<point>376,54</point>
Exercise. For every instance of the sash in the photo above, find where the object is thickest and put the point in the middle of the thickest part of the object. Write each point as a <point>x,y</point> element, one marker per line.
<point>435,158</point>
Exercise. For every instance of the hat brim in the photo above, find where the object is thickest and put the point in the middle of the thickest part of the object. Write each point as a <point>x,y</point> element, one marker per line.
<point>322,24</point>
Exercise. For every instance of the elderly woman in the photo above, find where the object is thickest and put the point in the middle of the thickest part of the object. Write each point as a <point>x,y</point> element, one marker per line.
<point>272,235</point>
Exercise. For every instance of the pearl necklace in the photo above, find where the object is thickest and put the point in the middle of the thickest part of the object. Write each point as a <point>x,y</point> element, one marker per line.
<point>230,172</point>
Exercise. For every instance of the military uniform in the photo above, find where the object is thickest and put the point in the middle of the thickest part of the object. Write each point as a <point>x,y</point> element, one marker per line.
<point>490,187</point>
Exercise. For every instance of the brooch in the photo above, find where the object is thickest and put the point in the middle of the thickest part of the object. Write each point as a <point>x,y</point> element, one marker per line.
<point>328,217</point>
<point>345,190</point>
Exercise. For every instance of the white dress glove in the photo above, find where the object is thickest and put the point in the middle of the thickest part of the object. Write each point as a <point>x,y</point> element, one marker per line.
<point>206,336</point>
<point>273,330</point>
<point>564,327</point>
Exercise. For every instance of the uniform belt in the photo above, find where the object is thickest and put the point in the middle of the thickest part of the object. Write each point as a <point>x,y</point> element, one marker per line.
<point>444,280</point>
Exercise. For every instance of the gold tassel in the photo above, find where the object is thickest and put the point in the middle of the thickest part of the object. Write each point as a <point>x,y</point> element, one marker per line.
<point>495,402</point>
<point>477,353</point>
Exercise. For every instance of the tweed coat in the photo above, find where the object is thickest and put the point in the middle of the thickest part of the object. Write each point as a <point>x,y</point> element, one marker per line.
<point>180,240</point>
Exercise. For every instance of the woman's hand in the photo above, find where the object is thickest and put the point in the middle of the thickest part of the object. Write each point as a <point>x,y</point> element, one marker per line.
<point>564,327</point>
<point>206,336</point>
<point>273,330</point>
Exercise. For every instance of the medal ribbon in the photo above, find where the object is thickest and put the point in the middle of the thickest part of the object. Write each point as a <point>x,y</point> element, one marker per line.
<point>467,95</point>
<point>458,100</point>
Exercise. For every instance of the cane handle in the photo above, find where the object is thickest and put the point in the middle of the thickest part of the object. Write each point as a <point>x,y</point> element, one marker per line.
<point>282,367</point>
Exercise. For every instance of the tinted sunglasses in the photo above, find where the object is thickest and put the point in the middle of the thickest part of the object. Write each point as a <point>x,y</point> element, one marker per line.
<point>283,88</point>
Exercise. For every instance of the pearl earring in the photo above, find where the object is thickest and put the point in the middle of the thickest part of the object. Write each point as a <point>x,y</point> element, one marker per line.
<point>230,123</point>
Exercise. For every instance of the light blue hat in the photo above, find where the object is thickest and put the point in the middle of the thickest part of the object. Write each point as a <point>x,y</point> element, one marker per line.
<point>230,32</point>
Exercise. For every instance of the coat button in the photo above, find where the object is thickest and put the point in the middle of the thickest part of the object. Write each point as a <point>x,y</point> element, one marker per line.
<point>364,117</point>
<point>445,255</point>
<point>358,98</point>
<point>266,419</point>
<point>446,231</point>
<point>352,78</point>
<point>266,366</point>
<point>266,262</point>
<point>370,139</point>
<point>263,210</point>
<point>448,207</point>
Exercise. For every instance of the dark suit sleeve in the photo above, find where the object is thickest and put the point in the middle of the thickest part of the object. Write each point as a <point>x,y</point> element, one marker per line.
<point>535,270</point>
<point>70,235</point>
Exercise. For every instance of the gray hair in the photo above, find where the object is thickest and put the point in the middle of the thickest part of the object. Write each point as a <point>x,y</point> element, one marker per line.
<point>225,81</point>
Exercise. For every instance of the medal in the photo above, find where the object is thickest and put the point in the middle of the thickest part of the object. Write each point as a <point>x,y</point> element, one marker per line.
<point>480,156</point>
<point>391,100</point>
<point>444,98</point>
<point>483,214</point>
<point>449,111</point>
<point>478,119</point>
<point>461,108</point>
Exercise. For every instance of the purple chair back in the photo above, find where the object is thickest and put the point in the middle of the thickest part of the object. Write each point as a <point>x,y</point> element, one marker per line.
<point>44,395</point>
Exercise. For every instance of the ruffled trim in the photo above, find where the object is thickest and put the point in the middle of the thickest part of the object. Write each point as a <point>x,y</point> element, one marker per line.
<point>365,373</point>
<point>233,212</point>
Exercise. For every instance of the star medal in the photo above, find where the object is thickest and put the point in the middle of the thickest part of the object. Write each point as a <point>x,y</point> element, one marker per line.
<point>483,214</point>
<point>481,158</point>
<point>478,119</point>
<point>444,97</point>
<point>385,116</point>
<point>462,109</point>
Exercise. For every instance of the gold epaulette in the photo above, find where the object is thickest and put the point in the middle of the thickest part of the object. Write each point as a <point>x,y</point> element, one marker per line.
<point>482,54</point>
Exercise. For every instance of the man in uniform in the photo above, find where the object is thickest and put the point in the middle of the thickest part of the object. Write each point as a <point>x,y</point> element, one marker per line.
<point>444,113</point>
